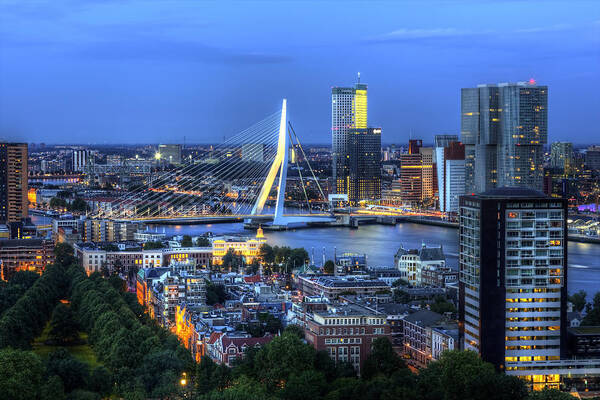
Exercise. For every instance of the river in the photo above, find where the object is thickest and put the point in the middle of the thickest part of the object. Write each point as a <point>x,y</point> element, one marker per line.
<point>380,242</point>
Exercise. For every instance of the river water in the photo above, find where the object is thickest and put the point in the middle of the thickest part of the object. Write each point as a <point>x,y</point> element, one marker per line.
<point>380,242</point>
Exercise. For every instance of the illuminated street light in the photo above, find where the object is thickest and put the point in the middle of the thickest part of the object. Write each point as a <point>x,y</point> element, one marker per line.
<point>157,155</point>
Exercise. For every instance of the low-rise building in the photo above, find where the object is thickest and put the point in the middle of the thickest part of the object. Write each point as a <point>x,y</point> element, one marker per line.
<point>224,348</point>
<point>426,336</point>
<point>346,332</point>
<point>333,286</point>
<point>25,255</point>
<point>411,262</point>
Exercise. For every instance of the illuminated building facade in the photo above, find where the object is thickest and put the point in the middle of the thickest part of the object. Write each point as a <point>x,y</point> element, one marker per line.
<point>504,128</point>
<point>364,164</point>
<point>348,111</point>
<point>450,165</point>
<point>14,203</point>
<point>25,255</point>
<point>562,157</point>
<point>513,279</point>
<point>249,248</point>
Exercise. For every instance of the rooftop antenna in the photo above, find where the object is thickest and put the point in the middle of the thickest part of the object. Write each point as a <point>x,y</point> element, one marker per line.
<point>359,77</point>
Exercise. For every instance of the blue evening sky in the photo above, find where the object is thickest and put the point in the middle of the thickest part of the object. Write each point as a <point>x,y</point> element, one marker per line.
<point>149,71</point>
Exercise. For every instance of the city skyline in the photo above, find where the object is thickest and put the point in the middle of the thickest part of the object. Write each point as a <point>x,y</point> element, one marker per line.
<point>172,72</point>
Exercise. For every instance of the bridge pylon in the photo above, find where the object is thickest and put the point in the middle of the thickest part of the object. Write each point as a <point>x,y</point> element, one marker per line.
<point>280,164</point>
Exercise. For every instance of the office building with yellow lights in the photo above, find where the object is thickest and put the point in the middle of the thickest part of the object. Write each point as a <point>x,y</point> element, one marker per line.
<point>356,149</point>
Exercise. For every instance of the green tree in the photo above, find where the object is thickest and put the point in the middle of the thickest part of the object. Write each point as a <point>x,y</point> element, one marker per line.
<point>187,241</point>
<point>307,385</point>
<point>329,267</point>
<point>592,318</point>
<point>215,294</point>
<point>63,325</point>
<point>73,373</point>
<point>100,381</point>
<point>549,394</point>
<point>382,360</point>
<point>283,356</point>
<point>64,254</point>
<point>441,306</point>
<point>153,245</point>
<point>78,205</point>
<point>21,374</point>
<point>463,375</point>
<point>57,202</point>
<point>579,300</point>
<point>294,330</point>
<point>53,389</point>
<point>267,254</point>
<point>204,372</point>
<point>203,242</point>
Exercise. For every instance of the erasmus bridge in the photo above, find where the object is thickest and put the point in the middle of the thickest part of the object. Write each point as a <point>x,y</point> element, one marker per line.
<point>242,179</point>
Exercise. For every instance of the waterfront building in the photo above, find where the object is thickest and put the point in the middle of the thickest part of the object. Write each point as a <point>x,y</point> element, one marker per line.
<point>346,332</point>
<point>561,156</point>
<point>364,164</point>
<point>247,247</point>
<point>411,262</point>
<point>169,153</point>
<point>24,255</point>
<point>348,111</point>
<point>416,173</point>
<point>513,279</point>
<point>504,128</point>
<point>14,203</point>
<point>450,165</point>
<point>94,256</point>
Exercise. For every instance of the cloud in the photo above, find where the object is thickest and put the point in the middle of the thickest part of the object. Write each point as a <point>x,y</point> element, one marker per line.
<point>404,34</point>
<point>173,50</point>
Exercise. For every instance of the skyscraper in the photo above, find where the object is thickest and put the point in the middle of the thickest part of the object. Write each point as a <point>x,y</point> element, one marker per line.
<point>504,128</point>
<point>450,165</point>
<point>513,278</point>
<point>13,182</point>
<point>348,111</point>
<point>364,164</point>
<point>561,156</point>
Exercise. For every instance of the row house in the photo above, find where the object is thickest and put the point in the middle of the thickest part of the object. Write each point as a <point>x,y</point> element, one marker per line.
<point>224,348</point>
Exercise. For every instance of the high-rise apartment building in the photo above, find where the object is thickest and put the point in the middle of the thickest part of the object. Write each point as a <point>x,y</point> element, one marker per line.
<point>13,182</point>
<point>561,156</point>
<point>513,280</point>
<point>450,165</point>
<point>364,164</point>
<point>348,111</point>
<point>416,173</point>
<point>504,128</point>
